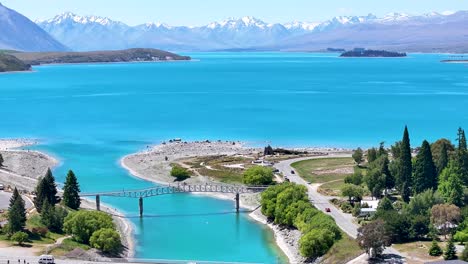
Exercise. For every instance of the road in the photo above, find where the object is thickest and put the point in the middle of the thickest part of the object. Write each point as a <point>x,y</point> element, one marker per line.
<point>5,200</point>
<point>344,221</point>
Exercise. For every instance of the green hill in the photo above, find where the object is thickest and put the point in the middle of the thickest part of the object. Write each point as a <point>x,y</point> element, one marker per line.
<point>11,63</point>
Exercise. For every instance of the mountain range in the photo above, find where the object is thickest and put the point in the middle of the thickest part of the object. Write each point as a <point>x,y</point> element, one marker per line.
<point>432,32</point>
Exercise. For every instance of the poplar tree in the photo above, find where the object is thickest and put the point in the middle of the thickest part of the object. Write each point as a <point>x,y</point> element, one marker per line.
<point>71,191</point>
<point>46,189</point>
<point>16,213</point>
<point>405,169</point>
<point>425,173</point>
<point>443,159</point>
<point>462,155</point>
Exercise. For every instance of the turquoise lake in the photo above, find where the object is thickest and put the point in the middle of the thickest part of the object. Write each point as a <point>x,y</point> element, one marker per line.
<point>89,116</point>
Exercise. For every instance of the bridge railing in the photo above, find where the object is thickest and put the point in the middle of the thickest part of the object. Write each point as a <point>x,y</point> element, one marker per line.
<point>179,188</point>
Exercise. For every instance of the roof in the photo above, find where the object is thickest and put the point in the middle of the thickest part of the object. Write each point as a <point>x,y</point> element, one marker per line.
<point>447,262</point>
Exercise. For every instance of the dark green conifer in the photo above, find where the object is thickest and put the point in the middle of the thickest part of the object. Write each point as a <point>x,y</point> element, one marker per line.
<point>371,155</point>
<point>46,189</point>
<point>425,172</point>
<point>1,160</point>
<point>450,251</point>
<point>71,194</point>
<point>443,160</point>
<point>16,213</point>
<point>405,167</point>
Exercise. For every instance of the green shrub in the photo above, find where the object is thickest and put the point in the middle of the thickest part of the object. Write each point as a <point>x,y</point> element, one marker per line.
<point>450,251</point>
<point>258,175</point>
<point>20,237</point>
<point>106,240</point>
<point>180,173</point>
<point>316,243</point>
<point>464,255</point>
<point>461,236</point>
<point>82,224</point>
<point>435,250</point>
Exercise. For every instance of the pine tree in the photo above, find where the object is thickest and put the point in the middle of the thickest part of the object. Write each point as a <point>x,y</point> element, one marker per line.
<point>451,185</point>
<point>46,189</point>
<point>16,213</point>
<point>1,160</point>
<point>425,172</point>
<point>461,140</point>
<point>435,250</point>
<point>405,167</point>
<point>389,178</point>
<point>443,160</point>
<point>371,155</point>
<point>47,214</point>
<point>71,194</point>
<point>462,155</point>
<point>450,251</point>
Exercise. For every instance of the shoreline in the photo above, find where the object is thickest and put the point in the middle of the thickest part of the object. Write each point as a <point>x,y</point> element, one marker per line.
<point>155,160</point>
<point>12,146</point>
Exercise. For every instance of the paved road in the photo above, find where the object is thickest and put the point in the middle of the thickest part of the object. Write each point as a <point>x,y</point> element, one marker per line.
<point>344,221</point>
<point>5,200</point>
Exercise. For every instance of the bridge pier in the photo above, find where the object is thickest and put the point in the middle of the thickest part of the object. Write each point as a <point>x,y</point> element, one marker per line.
<point>98,202</point>
<point>140,205</point>
<point>237,202</point>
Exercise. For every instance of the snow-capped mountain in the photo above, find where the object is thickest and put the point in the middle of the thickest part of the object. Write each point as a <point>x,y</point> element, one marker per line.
<point>94,32</point>
<point>19,33</point>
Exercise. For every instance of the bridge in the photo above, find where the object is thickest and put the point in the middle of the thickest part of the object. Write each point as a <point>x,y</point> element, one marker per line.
<point>140,194</point>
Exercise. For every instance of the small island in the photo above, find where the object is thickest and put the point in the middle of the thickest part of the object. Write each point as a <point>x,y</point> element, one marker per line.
<point>359,52</point>
<point>9,63</point>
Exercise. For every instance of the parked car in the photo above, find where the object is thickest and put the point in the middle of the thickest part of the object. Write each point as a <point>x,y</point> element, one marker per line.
<point>286,179</point>
<point>46,259</point>
<point>328,210</point>
<point>293,172</point>
<point>2,187</point>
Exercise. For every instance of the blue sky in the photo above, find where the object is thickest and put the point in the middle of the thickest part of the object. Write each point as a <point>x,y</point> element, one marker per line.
<point>193,12</point>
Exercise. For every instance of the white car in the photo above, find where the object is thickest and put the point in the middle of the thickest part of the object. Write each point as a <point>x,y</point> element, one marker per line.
<point>46,259</point>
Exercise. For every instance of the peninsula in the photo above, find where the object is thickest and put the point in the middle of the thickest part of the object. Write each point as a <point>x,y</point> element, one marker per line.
<point>9,63</point>
<point>372,53</point>
<point>128,55</point>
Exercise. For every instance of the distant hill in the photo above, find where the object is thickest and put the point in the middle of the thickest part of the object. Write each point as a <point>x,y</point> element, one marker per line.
<point>432,32</point>
<point>11,63</point>
<point>19,33</point>
<point>130,55</point>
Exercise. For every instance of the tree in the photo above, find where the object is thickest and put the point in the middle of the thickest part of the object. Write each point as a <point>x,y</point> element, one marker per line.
<point>258,175</point>
<point>425,172</point>
<point>46,189</point>
<point>71,192</point>
<point>286,198</point>
<point>377,176</point>
<point>405,167</point>
<point>450,251</point>
<point>371,155</point>
<point>444,217</point>
<point>179,173</point>
<point>355,178</point>
<point>435,249</point>
<point>107,240</point>
<point>53,217</point>
<point>461,236</point>
<point>395,150</point>
<point>440,153</point>
<point>382,150</point>
<point>20,237</point>
<point>352,191</point>
<point>422,203</point>
<point>462,156</point>
<point>268,151</point>
<point>1,160</point>
<point>358,155</point>
<point>82,224</point>
<point>397,226</point>
<point>316,243</point>
<point>385,205</point>
<point>451,184</point>
<point>269,198</point>
<point>373,239</point>
<point>16,213</point>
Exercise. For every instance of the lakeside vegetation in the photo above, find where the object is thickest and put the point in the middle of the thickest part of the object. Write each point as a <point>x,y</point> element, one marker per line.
<point>423,196</point>
<point>54,217</point>
<point>287,204</point>
<point>9,63</point>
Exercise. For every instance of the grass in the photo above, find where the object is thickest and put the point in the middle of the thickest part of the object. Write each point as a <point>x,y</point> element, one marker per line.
<point>321,170</point>
<point>219,171</point>
<point>332,188</point>
<point>67,246</point>
<point>419,250</point>
<point>342,251</point>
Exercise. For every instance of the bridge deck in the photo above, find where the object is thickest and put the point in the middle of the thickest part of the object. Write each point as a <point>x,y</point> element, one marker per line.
<point>180,188</point>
